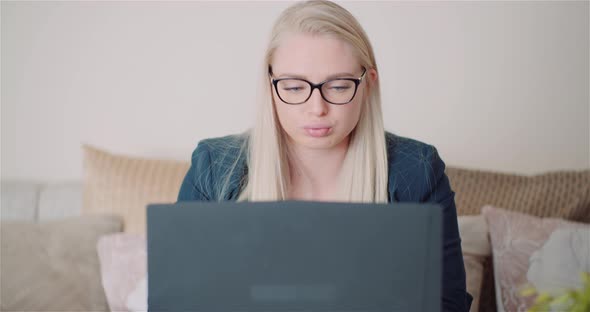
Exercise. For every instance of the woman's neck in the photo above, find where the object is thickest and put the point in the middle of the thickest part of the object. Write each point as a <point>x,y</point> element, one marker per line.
<point>315,172</point>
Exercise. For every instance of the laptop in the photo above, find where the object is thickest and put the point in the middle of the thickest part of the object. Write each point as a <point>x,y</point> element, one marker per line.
<point>294,256</point>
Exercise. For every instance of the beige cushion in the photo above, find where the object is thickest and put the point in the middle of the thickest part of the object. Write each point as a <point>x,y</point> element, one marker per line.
<point>474,235</point>
<point>476,248</point>
<point>474,269</point>
<point>561,194</point>
<point>53,266</point>
<point>122,185</point>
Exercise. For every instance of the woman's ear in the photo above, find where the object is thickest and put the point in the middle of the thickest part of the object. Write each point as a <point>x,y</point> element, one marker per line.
<point>372,75</point>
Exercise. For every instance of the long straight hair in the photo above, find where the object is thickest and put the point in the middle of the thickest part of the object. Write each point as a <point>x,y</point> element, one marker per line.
<point>364,173</point>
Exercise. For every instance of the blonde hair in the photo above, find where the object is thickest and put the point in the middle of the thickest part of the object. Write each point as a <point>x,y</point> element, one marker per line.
<point>364,173</point>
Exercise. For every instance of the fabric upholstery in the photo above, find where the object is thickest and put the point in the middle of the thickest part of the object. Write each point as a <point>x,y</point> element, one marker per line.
<point>19,200</point>
<point>60,200</point>
<point>122,185</point>
<point>560,194</point>
<point>53,266</point>
<point>123,267</point>
<point>518,243</point>
<point>476,249</point>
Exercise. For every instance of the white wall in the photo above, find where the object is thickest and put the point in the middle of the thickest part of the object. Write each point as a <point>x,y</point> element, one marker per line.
<point>494,85</point>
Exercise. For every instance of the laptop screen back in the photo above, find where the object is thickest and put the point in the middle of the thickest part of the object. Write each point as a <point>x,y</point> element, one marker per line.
<point>294,256</point>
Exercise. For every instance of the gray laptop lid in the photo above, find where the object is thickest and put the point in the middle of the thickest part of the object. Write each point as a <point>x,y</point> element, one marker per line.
<point>294,256</point>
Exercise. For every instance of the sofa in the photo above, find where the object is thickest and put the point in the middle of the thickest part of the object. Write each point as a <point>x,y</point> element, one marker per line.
<point>80,245</point>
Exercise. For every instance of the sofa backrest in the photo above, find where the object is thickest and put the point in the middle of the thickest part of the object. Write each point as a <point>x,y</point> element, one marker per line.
<point>34,201</point>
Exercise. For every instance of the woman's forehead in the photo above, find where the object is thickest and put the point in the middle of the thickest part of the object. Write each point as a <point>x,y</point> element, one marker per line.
<point>314,57</point>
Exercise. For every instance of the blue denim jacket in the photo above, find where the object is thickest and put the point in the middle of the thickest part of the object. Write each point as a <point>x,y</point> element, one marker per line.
<point>416,174</point>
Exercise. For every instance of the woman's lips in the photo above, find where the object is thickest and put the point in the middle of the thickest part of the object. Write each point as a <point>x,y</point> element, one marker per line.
<point>318,132</point>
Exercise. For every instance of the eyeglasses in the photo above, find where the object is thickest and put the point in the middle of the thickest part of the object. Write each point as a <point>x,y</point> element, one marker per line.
<point>336,91</point>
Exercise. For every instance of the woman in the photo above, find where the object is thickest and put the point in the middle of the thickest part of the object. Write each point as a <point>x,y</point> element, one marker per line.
<point>319,135</point>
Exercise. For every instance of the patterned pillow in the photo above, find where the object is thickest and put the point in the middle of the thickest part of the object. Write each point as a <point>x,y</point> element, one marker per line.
<point>123,268</point>
<point>520,245</point>
<point>567,249</point>
<point>124,185</point>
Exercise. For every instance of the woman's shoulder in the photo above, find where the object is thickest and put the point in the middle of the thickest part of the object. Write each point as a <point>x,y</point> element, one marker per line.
<point>220,152</point>
<point>414,167</point>
<point>214,162</point>
<point>404,150</point>
<point>222,145</point>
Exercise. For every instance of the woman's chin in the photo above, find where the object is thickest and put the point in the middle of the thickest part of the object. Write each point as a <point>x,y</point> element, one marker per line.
<point>324,142</point>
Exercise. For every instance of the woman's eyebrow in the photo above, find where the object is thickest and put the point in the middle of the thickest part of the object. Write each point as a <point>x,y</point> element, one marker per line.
<point>337,75</point>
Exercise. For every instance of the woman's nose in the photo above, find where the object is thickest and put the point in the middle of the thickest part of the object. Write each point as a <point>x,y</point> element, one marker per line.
<point>316,104</point>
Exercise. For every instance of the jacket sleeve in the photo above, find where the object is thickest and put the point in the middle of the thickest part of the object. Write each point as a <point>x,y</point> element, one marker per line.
<point>198,182</point>
<point>438,190</point>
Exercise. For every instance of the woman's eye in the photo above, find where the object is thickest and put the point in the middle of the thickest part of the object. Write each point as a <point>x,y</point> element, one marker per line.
<point>293,89</point>
<point>339,88</point>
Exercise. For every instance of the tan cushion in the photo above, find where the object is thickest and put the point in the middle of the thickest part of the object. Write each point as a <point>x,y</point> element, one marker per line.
<point>476,249</point>
<point>474,267</point>
<point>122,185</point>
<point>561,194</point>
<point>53,266</point>
<point>474,235</point>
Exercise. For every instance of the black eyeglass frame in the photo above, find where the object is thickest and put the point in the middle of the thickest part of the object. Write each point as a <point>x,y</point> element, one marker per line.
<point>357,82</point>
